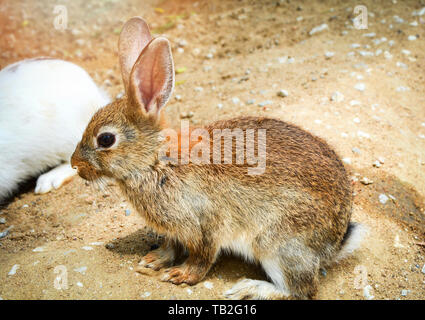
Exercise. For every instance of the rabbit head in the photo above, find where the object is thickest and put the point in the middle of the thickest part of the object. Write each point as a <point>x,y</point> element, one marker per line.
<point>130,127</point>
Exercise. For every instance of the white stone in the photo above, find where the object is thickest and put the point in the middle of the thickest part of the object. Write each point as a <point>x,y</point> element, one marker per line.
<point>367,292</point>
<point>337,96</point>
<point>317,29</point>
<point>383,198</point>
<point>81,270</point>
<point>388,55</point>
<point>419,12</point>
<point>362,134</point>
<point>329,54</point>
<point>346,160</point>
<point>13,270</point>
<point>360,86</point>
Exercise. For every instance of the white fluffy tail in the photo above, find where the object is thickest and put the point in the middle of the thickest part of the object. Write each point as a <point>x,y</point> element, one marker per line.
<point>352,240</point>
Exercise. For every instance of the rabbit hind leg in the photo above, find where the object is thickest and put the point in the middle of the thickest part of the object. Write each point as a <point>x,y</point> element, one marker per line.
<point>249,289</point>
<point>293,270</point>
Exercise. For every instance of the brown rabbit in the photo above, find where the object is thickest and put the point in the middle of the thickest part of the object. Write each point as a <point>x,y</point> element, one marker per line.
<point>293,219</point>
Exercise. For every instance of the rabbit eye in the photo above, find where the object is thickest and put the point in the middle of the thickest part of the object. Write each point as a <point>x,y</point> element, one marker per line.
<point>105,140</point>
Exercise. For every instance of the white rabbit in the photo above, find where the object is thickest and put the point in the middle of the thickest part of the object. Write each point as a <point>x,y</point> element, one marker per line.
<point>45,105</point>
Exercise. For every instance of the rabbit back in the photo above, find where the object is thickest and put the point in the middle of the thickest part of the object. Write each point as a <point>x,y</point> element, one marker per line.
<point>45,105</point>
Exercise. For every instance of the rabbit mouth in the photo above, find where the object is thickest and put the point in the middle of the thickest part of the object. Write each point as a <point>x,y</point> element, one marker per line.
<point>85,171</point>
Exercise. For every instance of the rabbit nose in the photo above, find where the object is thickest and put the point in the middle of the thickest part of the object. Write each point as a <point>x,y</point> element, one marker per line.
<point>74,161</point>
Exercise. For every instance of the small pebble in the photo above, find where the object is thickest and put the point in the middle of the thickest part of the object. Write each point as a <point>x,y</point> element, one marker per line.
<point>346,160</point>
<point>383,198</point>
<point>264,103</point>
<point>87,248</point>
<point>367,292</point>
<point>362,134</point>
<point>69,251</point>
<point>147,294</point>
<point>127,212</point>
<point>182,43</point>
<point>208,285</point>
<point>366,53</point>
<point>356,150</point>
<point>329,54</point>
<point>404,292</point>
<point>2,220</point>
<point>81,270</point>
<point>337,96</point>
<point>402,89</point>
<point>366,181</point>
<point>38,249</point>
<point>4,233</point>
<point>411,38</point>
<point>388,55</point>
<point>80,284</point>
<point>360,86</point>
<point>13,270</point>
<point>186,115</point>
<point>401,65</point>
<point>317,29</point>
<point>419,12</point>
<point>97,243</point>
<point>377,164</point>
<point>282,93</point>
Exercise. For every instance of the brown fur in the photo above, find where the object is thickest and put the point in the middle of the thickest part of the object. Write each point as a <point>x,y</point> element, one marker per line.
<point>295,215</point>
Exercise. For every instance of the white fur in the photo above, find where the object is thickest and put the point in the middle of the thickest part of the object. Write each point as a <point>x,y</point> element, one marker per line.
<point>45,105</point>
<point>240,246</point>
<point>259,289</point>
<point>54,178</point>
<point>273,270</point>
<point>353,242</point>
<point>254,290</point>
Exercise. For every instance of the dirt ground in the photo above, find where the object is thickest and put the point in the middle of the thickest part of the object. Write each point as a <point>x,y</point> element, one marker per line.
<point>232,58</point>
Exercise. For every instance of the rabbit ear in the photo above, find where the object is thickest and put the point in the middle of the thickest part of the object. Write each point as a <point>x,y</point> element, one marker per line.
<point>152,77</point>
<point>134,37</point>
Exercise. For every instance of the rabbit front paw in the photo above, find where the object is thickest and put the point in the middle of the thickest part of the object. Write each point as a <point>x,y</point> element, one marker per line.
<point>159,258</point>
<point>54,178</point>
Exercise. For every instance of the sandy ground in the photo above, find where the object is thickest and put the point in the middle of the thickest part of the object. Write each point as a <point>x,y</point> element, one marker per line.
<point>233,57</point>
